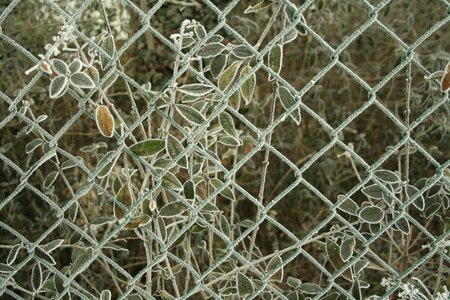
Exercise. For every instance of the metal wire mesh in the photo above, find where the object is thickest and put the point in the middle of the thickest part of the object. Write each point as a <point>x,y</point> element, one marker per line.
<point>202,282</point>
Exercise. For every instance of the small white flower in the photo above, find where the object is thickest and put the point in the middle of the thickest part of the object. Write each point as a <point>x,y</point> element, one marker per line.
<point>409,291</point>
<point>445,295</point>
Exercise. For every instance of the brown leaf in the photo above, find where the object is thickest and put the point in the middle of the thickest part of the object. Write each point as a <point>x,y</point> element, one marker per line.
<point>445,81</point>
<point>105,121</point>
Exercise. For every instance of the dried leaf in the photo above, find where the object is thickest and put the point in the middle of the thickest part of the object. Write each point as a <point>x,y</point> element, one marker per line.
<point>105,121</point>
<point>445,81</point>
<point>235,100</point>
<point>259,6</point>
<point>125,197</point>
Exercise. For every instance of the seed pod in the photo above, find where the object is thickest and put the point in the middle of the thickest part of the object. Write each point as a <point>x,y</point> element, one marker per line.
<point>105,121</point>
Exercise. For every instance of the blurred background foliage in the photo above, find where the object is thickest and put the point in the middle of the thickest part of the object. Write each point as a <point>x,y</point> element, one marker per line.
<point>333,97</point>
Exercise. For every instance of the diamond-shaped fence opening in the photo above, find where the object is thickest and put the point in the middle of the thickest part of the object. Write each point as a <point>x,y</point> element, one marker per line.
<point>224,149</point>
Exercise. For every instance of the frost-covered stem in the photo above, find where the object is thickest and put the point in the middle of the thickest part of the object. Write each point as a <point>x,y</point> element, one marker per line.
<point>127,85</point>
<point>233,203</point>
<point>406,163</point>
<point>147,241</point>
<point>268,26</point>
<point>264,170</point>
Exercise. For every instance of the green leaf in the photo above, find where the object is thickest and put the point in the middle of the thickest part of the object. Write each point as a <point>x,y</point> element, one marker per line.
<point>387,176</point>
<point>412,191</point>
<point>58,86</point>
<point>227,123</point>
<point>105,295</point>
<point>190,114</point>
<point>274,263</point>
<point>36,277</point>
<point>50,179</point>
<point>347,247</point>
<point>125,197</point>
<point>109,47</point>
<point>82,80</point>
<point>242,52</point>
<point>371,214</point>
<point>259,6</point>
<point>293,282</point>
<point>244,285</point>
<point>224,225</point>
<point>148,147</point>
<point>230,141</point>
<point>402,224</point>
<point>170,181</point>
<point>82,260</point>
<point>287,101</point>
<point>31,146</point>
<point>349,206</point>
<point>173,209</point>
<point>276,58</point>
<point>218,64</point>
<point>174,148</point>
<point>195,89</point>
<point>189,189</point>
<point>227,192</point>
<point>228,76</point>
<point>60,66</point>
<point>106,163</point>
<point>75,66</point>
<point>310,288</point>
<point>356,290</point>
<point>42,254</point>
<point>373,191</point>
<point>248,87</point>
<point>210,50</point>
<point>53,245</point>
<point>334,255</point>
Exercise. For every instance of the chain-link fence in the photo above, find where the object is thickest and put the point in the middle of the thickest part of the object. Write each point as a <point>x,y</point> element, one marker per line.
<point>180,200</point>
